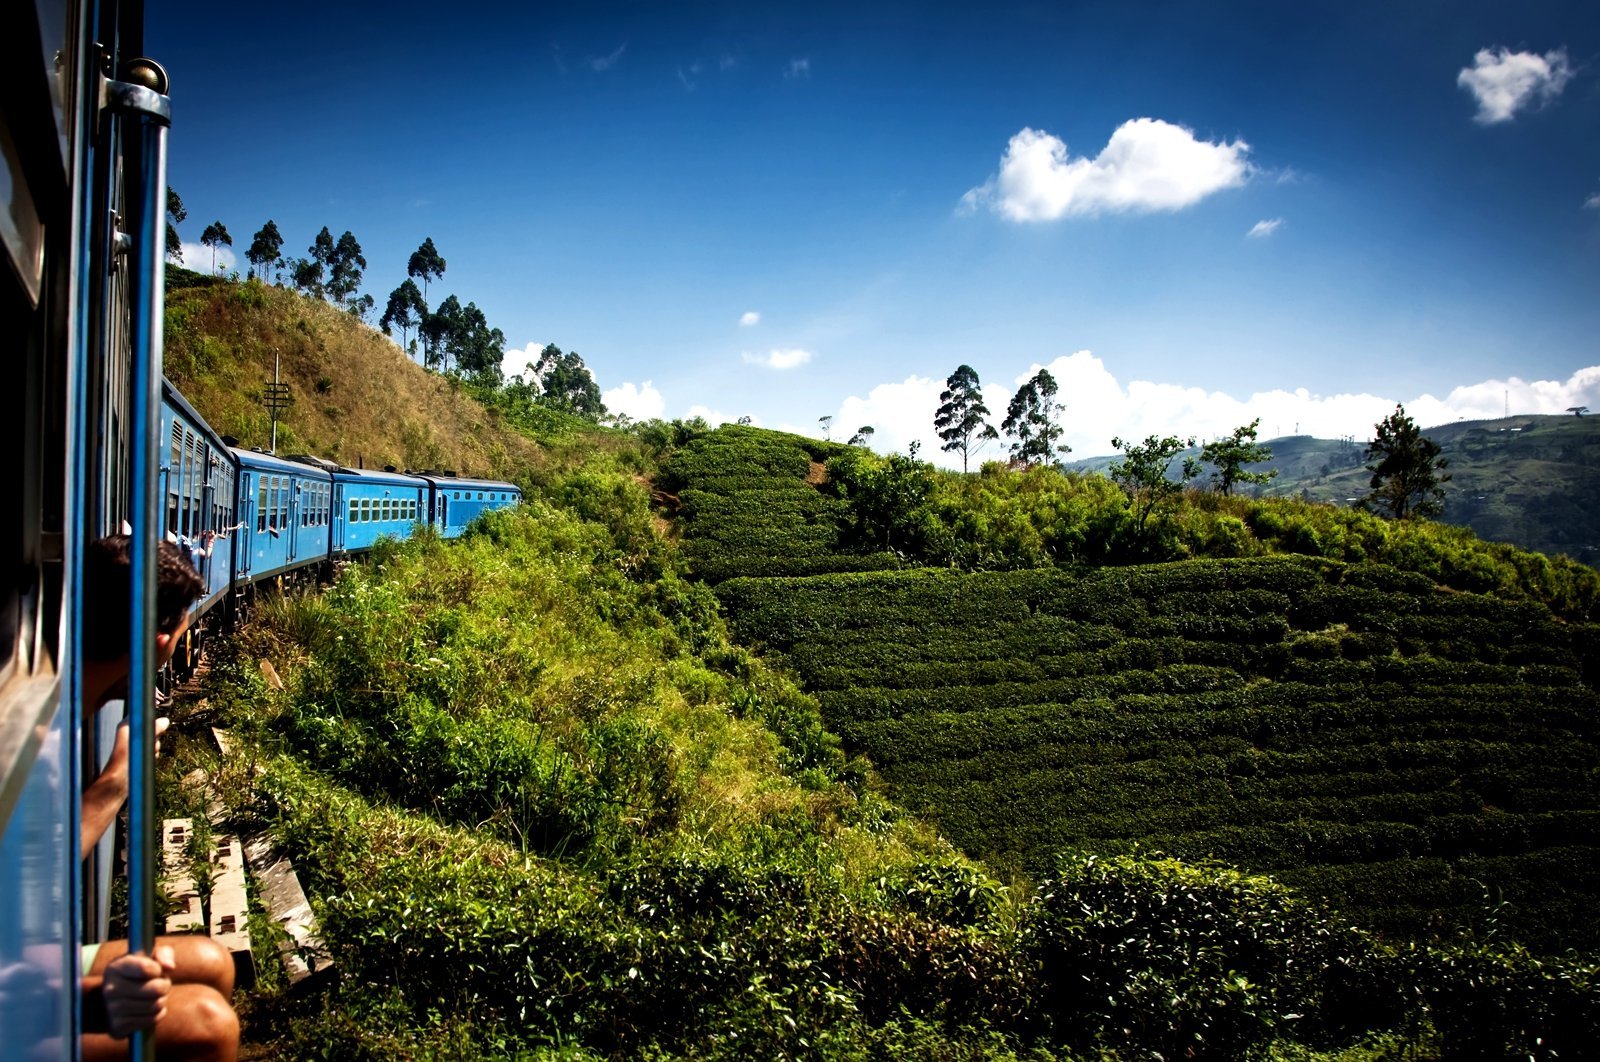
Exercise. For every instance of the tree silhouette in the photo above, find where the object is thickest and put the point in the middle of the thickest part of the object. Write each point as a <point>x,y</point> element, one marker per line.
<point>176,215</point>
<point>438,329</point>
<point>345,267</point>
<point>306,273</point>
<point>1031,421</point>
<point>567,383</point>
<point>216,235</point>
<point>265,248</point>
<point>425,265</point>
<point>863,433</point>
<point>962,415</point>
<point>405,311</point>
<point>1231,454</point>
<point>1408,474</point>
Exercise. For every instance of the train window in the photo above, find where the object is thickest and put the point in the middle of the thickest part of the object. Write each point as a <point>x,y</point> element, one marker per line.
<point>175,465</point>
<point>261,504</point>
<point>457,495</point>
<point>283,501</point>
<point>480,495</point>
<point>352,518</point>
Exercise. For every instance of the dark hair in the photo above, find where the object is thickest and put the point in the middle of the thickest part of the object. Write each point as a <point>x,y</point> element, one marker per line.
<point>106,594</point>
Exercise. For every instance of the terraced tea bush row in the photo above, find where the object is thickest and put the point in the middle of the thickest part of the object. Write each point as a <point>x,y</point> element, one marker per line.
<point>1211,708</point>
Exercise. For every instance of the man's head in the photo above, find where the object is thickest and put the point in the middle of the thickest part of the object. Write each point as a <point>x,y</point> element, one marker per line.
<point>107,593</point>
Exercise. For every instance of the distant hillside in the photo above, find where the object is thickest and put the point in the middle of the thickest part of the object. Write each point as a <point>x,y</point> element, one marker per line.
<point>1530,480</point>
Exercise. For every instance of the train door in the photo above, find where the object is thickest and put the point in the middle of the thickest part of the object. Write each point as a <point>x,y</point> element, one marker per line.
<point>296,507</point>
<point>249,523</point>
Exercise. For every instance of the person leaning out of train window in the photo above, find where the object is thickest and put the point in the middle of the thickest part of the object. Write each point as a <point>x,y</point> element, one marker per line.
<point>182,988</point>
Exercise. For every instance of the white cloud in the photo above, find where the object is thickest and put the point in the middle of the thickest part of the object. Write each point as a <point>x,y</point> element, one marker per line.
<point>779,359</point>
<point>797,68</point>
<point>519,362</point>
<point>748,318</point>
<point>1503,81</point>
<point>641,402</point>
<point>606,62</point>
<point>197,256</point>
<point>1098,406</point>
<point>1593,202</point>
<point>1147,165</point>
<point>1264,228</point>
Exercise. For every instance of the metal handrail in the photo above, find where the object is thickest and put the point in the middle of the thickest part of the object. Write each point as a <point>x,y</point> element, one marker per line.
<point>146,114</point>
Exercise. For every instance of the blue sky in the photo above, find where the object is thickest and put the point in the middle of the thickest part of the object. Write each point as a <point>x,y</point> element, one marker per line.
<point>1193,214</point>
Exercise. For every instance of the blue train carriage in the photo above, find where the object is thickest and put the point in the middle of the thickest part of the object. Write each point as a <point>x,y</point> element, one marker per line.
<point>456,502</point>
<point>197,484</point>
<point>370,505</point>
<point>286,510</point>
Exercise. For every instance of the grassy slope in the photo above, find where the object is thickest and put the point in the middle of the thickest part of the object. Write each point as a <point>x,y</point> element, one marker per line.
<point>357,398</point>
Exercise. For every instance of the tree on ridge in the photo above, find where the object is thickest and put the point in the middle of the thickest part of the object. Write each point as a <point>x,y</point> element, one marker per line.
<point>1229,455</point>
<point>425,264</point>
<point>265,248</point>
<point>1031,421</point>
<point>1408,475</point>
<point>962,415</point>
<point>216,235</point>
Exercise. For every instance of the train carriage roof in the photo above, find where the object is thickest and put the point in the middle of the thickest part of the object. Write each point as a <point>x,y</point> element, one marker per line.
<point>456,483</point>
<point>375,477</point>
<point>255,459</point>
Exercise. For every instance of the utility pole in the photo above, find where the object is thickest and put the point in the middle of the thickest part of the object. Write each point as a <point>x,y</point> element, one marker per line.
<point>277,399</point>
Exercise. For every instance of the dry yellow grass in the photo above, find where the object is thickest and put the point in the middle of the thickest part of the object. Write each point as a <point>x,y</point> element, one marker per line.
<point>357,399</point>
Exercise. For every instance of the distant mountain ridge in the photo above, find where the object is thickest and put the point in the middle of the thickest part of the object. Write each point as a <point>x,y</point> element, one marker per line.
<point>1531,480</point>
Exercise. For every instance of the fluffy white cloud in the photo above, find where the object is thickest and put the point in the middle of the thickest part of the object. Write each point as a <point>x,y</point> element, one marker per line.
<point>748,318</point>
<point>1264,228</point>
<point>197,256</point>
<point>779,359</point>
<point>641,402</point>
<point>797,69</point>
<point>1504,82</point>
<point>520,362</point>
<point>1593,202</point>
<point>1147,165</point>
<point>1098,406</point>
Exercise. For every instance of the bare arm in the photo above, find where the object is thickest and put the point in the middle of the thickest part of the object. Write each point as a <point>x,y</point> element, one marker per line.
<point>105,795</point>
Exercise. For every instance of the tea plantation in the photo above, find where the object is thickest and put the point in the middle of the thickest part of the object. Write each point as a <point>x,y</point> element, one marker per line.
<point>747,508</point>
<point>1416,756</point>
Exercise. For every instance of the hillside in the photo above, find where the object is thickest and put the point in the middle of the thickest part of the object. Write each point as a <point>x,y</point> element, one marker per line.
<point>356,398</point>
<point>1533,481</point>
<point>547,804</point>
<point>1399,721</point>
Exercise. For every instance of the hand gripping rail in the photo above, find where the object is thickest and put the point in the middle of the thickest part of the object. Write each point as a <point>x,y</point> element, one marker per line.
<point>145,112</point>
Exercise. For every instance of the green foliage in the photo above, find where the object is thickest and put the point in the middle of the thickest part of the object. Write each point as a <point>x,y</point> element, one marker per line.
<point>1151,955</point>
<point>1408,474</point>
<point>1145,472</point>
<point>1229,455</point>
<point>566,383</point>
<point>886,498</point>
<point>1335,723</point>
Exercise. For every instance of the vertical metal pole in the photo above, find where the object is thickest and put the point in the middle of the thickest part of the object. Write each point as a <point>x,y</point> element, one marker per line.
<point>275,358</point>
<point>149,114</point>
